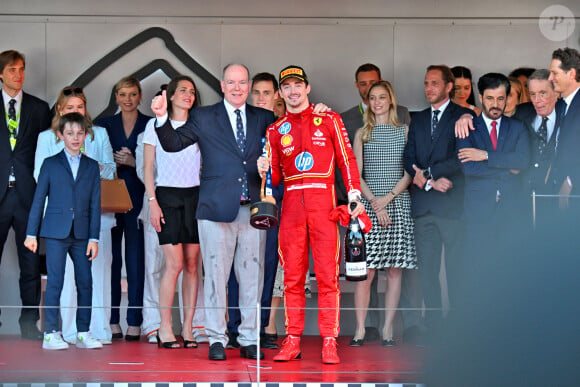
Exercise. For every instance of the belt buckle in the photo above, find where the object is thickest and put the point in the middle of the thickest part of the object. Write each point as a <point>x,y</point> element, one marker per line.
<point>11,183</point>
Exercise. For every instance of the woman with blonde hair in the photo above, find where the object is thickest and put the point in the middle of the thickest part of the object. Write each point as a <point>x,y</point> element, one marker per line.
<point>378,147</point>
<point>123,129</point>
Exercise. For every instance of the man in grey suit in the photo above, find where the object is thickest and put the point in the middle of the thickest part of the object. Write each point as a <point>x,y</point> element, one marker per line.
<point>365,76</point>
<point>229,135</point>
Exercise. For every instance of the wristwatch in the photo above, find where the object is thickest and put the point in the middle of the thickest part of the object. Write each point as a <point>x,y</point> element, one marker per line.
<point>427,173</point>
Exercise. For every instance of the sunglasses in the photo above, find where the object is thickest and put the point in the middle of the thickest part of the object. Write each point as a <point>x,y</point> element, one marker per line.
<point>71,90</point>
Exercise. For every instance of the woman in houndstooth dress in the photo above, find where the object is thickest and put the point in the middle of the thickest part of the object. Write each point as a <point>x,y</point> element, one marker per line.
<point>379,147</point>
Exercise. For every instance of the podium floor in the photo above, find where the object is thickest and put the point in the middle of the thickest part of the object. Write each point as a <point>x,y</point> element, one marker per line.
<point>23,361</point>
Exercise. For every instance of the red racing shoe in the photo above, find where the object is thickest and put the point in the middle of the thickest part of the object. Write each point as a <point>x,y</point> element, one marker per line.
<point>329,352</point>
<point>290,349</point>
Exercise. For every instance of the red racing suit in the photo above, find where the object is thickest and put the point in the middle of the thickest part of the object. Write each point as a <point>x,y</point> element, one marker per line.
<point>304,149</point>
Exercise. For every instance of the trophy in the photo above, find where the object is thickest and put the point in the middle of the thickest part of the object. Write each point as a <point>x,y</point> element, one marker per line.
<point>264,214</point>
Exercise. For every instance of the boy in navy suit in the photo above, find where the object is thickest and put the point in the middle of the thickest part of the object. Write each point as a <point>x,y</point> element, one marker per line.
<point>70,180</point>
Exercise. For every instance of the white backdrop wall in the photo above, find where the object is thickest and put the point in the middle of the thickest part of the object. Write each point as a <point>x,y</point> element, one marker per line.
<point>62,39</point>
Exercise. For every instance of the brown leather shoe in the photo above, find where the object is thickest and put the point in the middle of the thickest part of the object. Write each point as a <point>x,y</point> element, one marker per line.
<point>290,349</point>
<point>329,352</point>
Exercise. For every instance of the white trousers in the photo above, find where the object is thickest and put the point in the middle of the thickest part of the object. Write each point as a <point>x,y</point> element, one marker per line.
<point>232,246</point>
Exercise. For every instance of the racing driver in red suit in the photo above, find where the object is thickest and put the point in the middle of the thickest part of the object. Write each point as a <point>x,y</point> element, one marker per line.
<point>305,147</point>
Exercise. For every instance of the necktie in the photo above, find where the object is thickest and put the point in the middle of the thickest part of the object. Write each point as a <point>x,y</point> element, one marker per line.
<point>12,124</point>
<point>543,133</point>
<point>434,123</point>
<point>563,107</point>
<point>11,109</point>
<point>240,137</point>
<point>241,140</point>
<point>493,134</point>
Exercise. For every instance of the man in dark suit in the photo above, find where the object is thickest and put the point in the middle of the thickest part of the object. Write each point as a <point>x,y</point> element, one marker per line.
<point>365,76</point>
<point>565,75</point>
<point>229,135</point>
<point>23,118</point>
<point>493,158</point>
<point>437,195</point>
<point>540,119</point>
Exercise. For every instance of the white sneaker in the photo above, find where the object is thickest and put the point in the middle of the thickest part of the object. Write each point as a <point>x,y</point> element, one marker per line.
<point>54,341</point>
<point>105,341</point>
<point>152,337</point>
<point>86,340</point>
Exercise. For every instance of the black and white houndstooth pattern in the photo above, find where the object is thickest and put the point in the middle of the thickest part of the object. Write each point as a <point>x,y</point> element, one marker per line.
<point>393,246</point>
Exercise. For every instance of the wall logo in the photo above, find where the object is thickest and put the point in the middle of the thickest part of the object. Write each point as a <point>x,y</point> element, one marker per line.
<point>557,23</point>
<point>285,128</point>
<point>156,64</point>
<point>304,162</point>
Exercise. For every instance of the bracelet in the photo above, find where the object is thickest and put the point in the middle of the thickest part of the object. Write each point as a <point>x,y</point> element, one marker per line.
<point>392,193</point>
<point>151,198</point>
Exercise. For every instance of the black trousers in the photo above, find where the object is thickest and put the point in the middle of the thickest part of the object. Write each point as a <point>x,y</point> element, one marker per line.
<point>431,234</point>
<point>13,214</point>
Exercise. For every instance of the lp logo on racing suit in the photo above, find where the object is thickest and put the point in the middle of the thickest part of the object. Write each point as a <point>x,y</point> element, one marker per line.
<point>304,162</point>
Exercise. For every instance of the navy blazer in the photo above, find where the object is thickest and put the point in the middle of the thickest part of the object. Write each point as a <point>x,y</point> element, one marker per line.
<point>535,177</point>
<point>440,155</point>
<point>567,160</point>
<point>34,118</point>
<point>68,199</point>
<point>223,162</point>
<point>484,178</point>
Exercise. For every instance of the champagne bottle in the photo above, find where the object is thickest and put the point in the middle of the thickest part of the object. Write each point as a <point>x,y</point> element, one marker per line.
<point>355,251</point>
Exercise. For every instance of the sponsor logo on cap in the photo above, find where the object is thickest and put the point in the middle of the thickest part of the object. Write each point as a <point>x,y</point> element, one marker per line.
<point>304,162</point>
<point>292,71</point>
<point>285,128</point>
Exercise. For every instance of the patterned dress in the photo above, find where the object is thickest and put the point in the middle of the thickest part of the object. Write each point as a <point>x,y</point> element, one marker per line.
<point>392,246</point>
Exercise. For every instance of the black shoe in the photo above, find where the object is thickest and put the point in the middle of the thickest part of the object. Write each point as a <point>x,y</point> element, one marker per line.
<point>232,341</point>
<point>30,332</point>
<point>389,343</point>
<point>371,334</point>
<point>217,352</point>
<point>132,337</point>
<point>167,344</point>
<point>412,335</point>
<point>357,342</point>
<point>117,336</point>
<point>251,352</point>
<point>268,342</point>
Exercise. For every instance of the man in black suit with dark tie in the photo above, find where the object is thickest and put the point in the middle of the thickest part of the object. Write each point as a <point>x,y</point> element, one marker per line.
<point>542,121</point>
<point>565,75</point>
<point>23,118</point>
<point>437,195</point>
